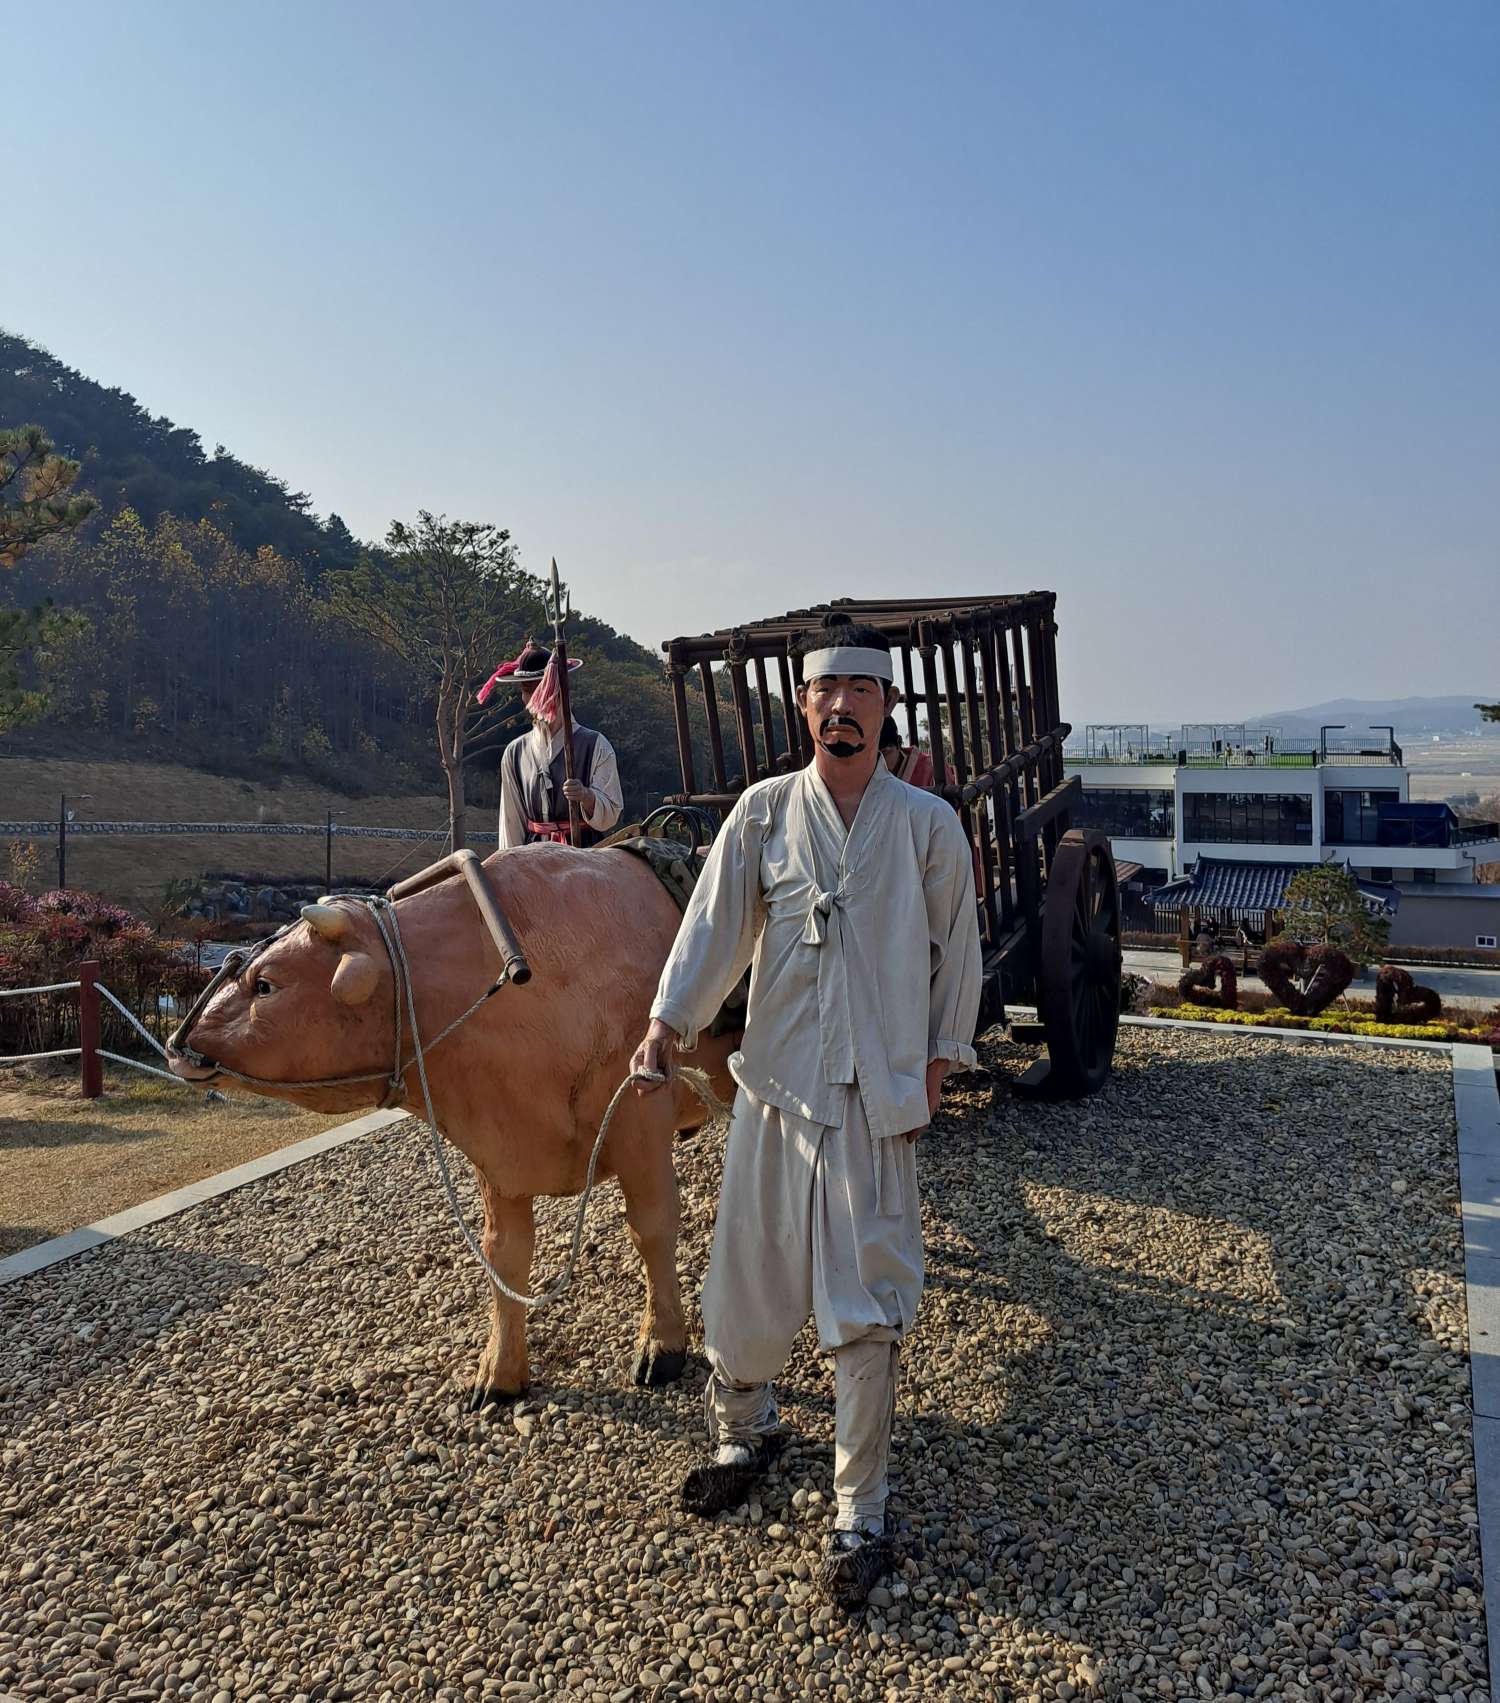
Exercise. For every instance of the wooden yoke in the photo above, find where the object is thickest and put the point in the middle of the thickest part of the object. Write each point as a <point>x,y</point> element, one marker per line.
<point>467,864</point>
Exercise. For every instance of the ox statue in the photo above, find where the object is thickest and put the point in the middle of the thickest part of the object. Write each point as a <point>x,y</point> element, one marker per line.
<point>521,1087</point>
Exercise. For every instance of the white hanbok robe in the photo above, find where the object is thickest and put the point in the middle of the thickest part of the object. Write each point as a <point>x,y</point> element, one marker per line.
<point>865,966</point>
<point>542,747</point>
<point>865,947</point>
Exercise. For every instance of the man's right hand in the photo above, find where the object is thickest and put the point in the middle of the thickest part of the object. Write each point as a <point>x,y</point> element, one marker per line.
<point>653,1057</point>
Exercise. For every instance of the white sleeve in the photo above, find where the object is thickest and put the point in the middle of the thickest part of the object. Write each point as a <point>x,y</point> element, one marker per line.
<point>716,940</point>
<point>953,928</point>
<point>512,819</point>
<point>604,783</point>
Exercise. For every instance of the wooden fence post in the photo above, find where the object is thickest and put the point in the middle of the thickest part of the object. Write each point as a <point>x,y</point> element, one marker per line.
<point>91,1065</point>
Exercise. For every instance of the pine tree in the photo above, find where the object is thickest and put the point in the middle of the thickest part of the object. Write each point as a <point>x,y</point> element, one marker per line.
<point>1323,905</point>
<point>31,641</point>
<point>35,486</point>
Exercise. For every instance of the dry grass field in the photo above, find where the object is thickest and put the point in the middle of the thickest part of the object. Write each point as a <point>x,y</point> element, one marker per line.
<point>133,871</point>
<point>67,1161</point>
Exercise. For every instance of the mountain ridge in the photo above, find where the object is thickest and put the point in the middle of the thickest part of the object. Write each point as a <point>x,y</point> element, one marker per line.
<point>1453,713</point>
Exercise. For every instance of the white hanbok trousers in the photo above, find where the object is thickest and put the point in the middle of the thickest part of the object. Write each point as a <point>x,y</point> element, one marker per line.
<point>822,1220</point>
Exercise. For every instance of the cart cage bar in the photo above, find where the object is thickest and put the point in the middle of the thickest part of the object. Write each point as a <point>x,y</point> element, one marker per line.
<point>978,679</point>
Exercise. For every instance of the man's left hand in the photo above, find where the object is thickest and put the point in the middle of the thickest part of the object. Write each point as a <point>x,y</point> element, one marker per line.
<point>577,793</point>
<point>937,1071</point>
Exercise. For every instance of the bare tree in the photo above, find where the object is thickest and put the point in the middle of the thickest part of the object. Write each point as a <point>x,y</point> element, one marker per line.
<point>447,599</point>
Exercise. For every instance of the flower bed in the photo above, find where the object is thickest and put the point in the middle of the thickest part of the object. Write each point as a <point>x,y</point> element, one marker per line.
<point>1336,1023</point>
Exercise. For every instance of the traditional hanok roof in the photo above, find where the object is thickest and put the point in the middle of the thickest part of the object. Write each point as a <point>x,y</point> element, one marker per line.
<point>1219,884</point>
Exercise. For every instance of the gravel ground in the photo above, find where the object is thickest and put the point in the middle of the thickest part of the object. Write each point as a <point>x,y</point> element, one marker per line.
<point>1186,1415</point>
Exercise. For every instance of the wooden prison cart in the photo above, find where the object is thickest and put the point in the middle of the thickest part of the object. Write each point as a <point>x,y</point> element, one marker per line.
<point>978,679</point>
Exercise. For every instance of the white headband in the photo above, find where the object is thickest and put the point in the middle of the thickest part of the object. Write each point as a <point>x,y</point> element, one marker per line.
<point>848,659</point>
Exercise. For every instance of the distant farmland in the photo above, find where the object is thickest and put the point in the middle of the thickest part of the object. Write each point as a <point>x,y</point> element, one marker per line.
<point>1454,768</point>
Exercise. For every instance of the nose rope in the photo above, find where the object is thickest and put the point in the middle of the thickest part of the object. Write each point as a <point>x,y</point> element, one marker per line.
<point>379,907</point>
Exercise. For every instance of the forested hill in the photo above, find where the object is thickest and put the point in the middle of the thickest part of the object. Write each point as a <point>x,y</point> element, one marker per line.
<point>199,626</point>
<point>134,459</point>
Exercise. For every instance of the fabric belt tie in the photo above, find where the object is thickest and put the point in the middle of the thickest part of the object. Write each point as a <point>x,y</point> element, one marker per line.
<point>818,913</point>
<point>888,1193</point>
<point>559,831</point>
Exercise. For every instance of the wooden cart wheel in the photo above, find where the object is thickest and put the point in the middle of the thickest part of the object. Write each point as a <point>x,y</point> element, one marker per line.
<point>1078,993</point>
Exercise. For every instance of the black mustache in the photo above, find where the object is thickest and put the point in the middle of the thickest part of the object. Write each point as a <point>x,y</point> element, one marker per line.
<point>833,721</point>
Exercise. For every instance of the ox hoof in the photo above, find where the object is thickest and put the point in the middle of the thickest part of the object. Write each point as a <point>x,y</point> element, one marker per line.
<point>655,1365</point>
<point>488,1395</point>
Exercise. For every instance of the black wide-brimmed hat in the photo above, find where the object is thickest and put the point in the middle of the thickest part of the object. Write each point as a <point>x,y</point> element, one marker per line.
<point>527,669</point>
<point>531,665</point>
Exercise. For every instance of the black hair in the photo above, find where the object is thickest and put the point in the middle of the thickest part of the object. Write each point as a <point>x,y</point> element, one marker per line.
<point>889,734</point>
<point>837,628</point>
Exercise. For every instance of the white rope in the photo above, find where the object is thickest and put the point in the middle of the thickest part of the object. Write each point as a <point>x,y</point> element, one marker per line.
<point>51,987</point>
<point>697,1080</point>
<point>26,1058</point>
<point>135,1023</point>
<point>150,1069</point>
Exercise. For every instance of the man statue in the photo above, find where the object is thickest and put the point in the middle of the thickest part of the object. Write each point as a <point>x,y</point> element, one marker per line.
<point>852,896</point>
<point>534,791</point>
<point>909,763</point>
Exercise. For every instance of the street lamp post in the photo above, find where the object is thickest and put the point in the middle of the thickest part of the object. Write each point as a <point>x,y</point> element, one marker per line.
<point>64,816</point>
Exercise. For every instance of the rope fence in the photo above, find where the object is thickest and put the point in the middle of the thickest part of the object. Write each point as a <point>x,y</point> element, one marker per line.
<point>90,1053</point>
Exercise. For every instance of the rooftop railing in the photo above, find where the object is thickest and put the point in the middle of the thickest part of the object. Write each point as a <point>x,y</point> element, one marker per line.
<point>1236,759</point>
<point>1476,833</point>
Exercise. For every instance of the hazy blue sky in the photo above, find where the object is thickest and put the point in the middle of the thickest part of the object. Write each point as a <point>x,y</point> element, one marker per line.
<point>1188,311</point>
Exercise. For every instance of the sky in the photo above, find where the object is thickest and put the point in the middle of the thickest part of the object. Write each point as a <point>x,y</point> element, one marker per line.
<point>1187,312</point>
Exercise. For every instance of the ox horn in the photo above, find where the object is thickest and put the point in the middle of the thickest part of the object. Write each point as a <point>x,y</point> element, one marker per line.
<point>327,921</point>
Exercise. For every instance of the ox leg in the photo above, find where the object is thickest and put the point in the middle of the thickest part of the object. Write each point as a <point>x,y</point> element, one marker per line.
<point>509,1235</point>
<point>654,1218</point>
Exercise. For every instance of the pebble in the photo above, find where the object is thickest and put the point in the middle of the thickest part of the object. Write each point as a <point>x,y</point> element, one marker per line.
<point>1184,1414</point>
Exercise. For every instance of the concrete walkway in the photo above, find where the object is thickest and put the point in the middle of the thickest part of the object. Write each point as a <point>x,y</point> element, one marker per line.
<point>1477,1109</point>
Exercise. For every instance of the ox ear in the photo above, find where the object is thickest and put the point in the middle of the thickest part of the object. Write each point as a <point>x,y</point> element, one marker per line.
<point>327,921</point>
<point>356,978</point>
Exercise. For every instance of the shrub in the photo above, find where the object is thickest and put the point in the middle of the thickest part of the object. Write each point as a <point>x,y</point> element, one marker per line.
<point>44,940</point>
<point>1198,986</point>
<point>1398,999</point>
<point>1306,982</point>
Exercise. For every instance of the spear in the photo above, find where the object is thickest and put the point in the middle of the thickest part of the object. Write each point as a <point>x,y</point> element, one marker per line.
<point>560,651</point>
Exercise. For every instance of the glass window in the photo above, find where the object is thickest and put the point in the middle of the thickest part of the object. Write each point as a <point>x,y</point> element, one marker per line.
<point>1220,818</point>
<point>1128,813</point>
<point>1353,818</point>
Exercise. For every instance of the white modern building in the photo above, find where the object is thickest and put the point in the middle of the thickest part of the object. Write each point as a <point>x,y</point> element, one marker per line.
<point>1203,808</point>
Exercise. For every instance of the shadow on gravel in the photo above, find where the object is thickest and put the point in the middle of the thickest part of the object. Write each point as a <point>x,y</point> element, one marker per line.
<point>1143,1350</point>
<point>106,1313</point>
